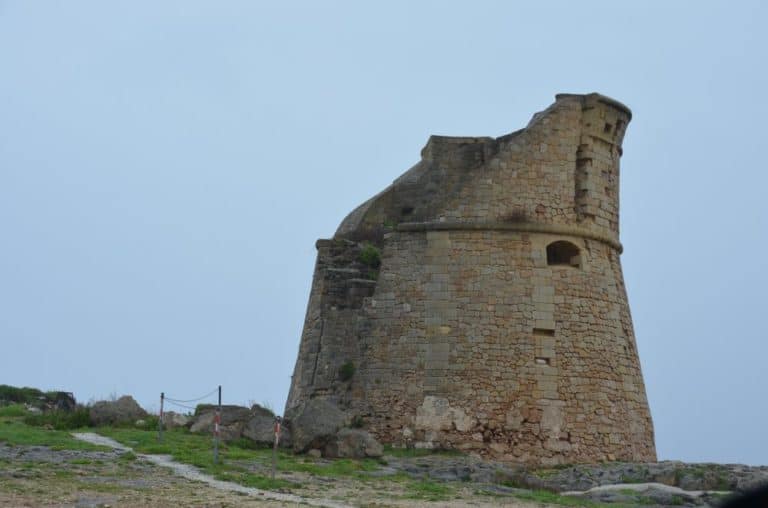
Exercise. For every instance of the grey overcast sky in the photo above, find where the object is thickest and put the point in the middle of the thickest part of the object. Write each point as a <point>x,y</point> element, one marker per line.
<point>166,167</point>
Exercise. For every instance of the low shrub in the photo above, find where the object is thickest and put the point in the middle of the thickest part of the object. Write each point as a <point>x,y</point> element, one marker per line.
<point>61,420</point>
<point>25,395</point>
<point>346,371</point>
<point>13,410</point>
<point>152,421</point>
<point>370,256</point>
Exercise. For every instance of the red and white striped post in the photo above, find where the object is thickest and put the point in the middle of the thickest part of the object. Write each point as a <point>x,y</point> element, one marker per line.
<point>274,449</point>
<point>216,430</point>
<point>160,421</point>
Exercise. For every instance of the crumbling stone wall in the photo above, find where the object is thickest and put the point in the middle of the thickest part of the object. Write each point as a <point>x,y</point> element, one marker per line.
<point>498,320</point>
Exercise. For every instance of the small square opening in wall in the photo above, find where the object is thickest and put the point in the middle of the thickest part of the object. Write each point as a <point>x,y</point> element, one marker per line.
<point>563,253</point>
<point>540,360</point>
<point>608,128</point>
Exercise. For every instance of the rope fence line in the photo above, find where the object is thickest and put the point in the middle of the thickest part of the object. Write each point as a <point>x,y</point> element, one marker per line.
<point>190,408</point>
<point>183,404</point>
<point>193,400</point>
<point>216,423</point>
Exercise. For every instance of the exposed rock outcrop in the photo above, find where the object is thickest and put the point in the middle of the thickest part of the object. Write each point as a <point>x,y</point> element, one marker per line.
<point>260,428</point>
<point>172,420</point>
<point>233,420</point>
<point>352,443</point>
<point>121,411</point>
<point>314,423</point>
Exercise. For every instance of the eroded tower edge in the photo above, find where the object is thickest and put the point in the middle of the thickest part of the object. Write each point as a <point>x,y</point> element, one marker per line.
<point>478,302</point>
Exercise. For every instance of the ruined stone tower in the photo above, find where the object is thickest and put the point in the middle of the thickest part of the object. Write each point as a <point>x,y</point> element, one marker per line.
<point>495,319</point>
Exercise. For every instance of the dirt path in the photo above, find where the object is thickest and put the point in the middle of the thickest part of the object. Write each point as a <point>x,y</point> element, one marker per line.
<point>344,492</point>
<point>192,473</point>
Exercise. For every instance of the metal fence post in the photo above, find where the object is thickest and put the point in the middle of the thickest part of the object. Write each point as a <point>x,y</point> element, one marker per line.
<point>216,423</point>
<point>160,420</point>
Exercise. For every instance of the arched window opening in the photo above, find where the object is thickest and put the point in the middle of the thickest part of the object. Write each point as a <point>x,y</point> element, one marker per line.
<point>563,253</point>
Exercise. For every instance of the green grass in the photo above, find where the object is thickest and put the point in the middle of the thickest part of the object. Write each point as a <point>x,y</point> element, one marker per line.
<point>183,446</point>
<point>677,501</point>
<point>13,431</point>
<point>700,472</point>
<point>429,491</point>
<point>546,497</point>
<point>13,410</point>
<point>247,465</point>
<point>128,457</point>
<point>106,488</point>
<point>334,468</point>
<point>197,449</point>
<point>248,479</point>
<point>61,420</point>
<point>631,479</point>
<point>238,460</point>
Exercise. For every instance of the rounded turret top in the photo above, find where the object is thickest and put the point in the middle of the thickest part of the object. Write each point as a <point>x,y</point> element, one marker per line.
<point>559,171</point>
<point>594,96</point>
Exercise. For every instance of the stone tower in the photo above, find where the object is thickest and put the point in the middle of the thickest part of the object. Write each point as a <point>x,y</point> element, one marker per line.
<point>478,302</point>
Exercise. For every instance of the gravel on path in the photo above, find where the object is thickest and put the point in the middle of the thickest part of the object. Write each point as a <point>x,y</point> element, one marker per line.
<point>194,474</point>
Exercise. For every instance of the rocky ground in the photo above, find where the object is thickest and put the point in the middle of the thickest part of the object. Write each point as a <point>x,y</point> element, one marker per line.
<point>116,458</point>
<point>37,476</point>
<point>41,476</point>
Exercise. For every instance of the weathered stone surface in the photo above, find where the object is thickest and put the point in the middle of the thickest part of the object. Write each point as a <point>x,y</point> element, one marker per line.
<point>656,494</point>
<point>690,477</point>
<point>260,428</point>
<point>497,319</point>
<point>627,484</point>
<point>172,420</point>
<point>233,420</point>
<point>123,410</point>
<point>352,443</point>
<point>313,423</point>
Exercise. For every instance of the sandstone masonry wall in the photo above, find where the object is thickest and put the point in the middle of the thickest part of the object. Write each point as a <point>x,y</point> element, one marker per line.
<point>498,320</point>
